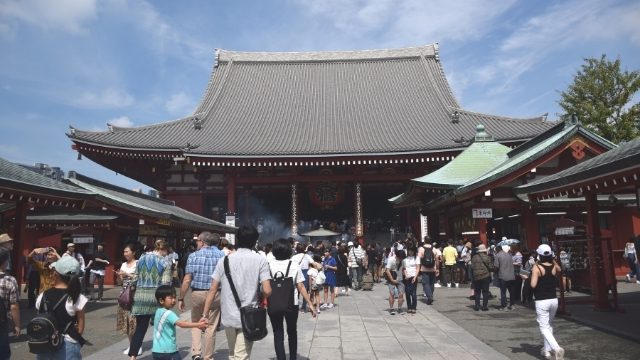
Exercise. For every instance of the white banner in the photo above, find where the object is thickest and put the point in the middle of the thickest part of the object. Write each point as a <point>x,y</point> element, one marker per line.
<point>424,226</point>
<point>231,221</point>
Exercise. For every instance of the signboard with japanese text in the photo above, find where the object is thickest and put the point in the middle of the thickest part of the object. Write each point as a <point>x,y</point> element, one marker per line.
<point>482,213</point>
<point>424,225</point>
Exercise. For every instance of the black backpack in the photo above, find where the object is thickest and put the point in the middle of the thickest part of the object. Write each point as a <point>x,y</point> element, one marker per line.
<point>43,331</point>
<point>3,308</point>
<point>281,299</point>
<point>428,259</point>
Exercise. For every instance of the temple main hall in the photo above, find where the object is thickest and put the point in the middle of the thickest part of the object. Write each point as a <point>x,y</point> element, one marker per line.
<point>289,141</point>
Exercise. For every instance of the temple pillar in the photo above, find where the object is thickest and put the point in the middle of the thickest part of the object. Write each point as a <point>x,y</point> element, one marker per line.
<point>294,209</point>
<point>482,230</point>
<point>19,239</point>
<point>599,291</point>
<point>359,217</point>
<point>531,232</point>
<point>231,192</point>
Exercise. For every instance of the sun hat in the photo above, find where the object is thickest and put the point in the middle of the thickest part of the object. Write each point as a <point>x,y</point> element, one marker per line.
<point>4,238</point>
<point>70,245</point>
<point>544,250</point>
<point>66,266</point>
<point>481,248</point>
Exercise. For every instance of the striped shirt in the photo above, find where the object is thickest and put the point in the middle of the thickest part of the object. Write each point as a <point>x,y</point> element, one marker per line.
<point>201,264</point>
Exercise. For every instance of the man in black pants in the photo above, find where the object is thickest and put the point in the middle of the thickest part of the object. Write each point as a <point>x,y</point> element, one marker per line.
<point>100,262</point>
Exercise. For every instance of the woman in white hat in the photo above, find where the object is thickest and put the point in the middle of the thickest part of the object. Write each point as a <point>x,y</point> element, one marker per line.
<point>543,281</point>
<point>70,312</point>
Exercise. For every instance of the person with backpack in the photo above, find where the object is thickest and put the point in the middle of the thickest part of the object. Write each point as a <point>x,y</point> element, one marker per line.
<point>287,281</point>
<point>62,307</point>
<point>9,305</point>
<point>429,269</point>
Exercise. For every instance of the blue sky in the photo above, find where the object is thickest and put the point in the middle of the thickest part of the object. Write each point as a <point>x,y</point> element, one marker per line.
<point>130,63</point>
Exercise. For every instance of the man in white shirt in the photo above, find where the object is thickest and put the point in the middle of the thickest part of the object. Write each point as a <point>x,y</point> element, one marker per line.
<point>355,258</point>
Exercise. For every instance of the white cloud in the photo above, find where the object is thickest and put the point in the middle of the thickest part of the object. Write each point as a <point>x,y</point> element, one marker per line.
<point>122,121</point>
<point>64,15</point>
<point>179,104</point>
<point>561,26</point>
<point>413,21</point>
<point>108,98</point>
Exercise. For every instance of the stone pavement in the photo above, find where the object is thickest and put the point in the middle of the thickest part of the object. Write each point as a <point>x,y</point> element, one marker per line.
<point>357,328</point>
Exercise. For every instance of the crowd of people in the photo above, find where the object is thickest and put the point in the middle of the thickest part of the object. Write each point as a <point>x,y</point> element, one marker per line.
<point>222,278</point>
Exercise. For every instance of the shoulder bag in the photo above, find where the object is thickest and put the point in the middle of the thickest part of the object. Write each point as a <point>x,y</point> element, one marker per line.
<point>253,318</point>
<point>125,299</point>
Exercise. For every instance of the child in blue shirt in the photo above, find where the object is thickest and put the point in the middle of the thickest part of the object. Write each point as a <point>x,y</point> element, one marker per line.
<point>164,325</point>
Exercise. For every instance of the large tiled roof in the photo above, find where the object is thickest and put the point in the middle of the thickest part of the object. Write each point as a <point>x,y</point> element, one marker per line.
<point>147,205</point>
<point>15,177</point>
<point>317,104</point>
<point>620,159</point>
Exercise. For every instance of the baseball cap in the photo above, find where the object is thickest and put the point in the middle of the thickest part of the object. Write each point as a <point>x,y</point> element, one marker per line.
<point>350,243</point>
<point>544,250</point>
<point>66,266</point>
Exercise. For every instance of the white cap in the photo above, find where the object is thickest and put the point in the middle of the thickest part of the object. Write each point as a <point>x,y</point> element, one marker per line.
<point>350,243</point>
<point>544,250</point>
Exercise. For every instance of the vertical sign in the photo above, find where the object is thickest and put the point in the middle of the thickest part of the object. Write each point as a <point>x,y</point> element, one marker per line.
<point>231,221</point>
<point>424,225</point>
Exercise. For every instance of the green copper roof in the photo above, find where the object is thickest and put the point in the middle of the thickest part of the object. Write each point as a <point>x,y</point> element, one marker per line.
<point>522,156</point>
<point>481,156</point>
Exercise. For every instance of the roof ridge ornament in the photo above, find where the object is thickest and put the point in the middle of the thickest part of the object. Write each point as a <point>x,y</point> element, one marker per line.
<point>455,117</point>
<point>216,58</point>
<point>571,120</point>
<point>482,135</point>
<point>197,123</point>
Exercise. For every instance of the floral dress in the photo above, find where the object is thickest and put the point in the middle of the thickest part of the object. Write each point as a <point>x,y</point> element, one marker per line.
<point>125,322</point>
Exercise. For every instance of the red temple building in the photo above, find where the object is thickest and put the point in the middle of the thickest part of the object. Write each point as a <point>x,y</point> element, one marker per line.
<point>288,141</point>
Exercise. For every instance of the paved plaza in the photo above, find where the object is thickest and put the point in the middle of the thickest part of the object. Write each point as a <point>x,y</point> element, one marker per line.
<point>359,327</point>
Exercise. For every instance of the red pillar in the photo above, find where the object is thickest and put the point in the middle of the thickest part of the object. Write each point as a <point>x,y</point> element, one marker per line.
<point>599,291</point>
<point>19,239</point>
<point>482,230</point>
<point>231,192</point>
<point>531,229</point>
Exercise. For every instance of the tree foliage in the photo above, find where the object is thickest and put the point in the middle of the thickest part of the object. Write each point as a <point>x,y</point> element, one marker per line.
<point>604,99</point>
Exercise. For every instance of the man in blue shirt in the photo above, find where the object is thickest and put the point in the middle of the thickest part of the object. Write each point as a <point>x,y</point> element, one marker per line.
<point>200,266</point>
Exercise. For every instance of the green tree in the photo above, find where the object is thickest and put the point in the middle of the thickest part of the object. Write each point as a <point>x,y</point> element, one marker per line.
<point>603,98</point>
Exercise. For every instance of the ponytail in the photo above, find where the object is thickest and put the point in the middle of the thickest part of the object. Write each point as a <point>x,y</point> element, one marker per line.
<point>73,286</point>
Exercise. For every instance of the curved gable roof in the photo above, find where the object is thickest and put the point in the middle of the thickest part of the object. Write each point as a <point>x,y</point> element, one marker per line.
<point>319,103</point>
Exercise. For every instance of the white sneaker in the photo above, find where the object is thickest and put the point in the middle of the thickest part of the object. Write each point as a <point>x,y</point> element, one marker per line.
<point>457,285</point>
<point>449,285</point>
<point>140,351</point>
<point>637,281</point>
<point>545,353</point>
<point>126,351</point>
<point>437,285</point>
<point>628,278</point>
<point>330,306</point>
<point>323,306</point>
<point>559,354</point>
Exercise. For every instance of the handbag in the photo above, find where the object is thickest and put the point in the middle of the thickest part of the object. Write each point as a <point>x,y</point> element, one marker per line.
<point>253,318</point>
<point>125,299</point>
